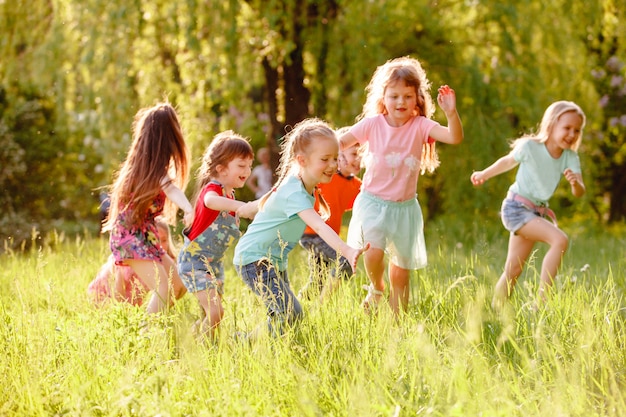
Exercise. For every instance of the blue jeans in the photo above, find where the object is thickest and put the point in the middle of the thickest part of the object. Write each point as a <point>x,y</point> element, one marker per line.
<point>283,308</point>
<point>324,259</point>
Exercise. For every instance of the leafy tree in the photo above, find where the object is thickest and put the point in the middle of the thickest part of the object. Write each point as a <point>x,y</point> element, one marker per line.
<point>258,66</point>
<point>606,43</point>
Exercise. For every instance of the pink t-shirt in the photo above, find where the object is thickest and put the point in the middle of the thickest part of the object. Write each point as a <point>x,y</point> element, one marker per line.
<point>393,158</point>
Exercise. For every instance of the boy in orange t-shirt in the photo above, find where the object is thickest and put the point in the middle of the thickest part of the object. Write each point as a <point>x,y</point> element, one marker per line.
<point>340,194</point>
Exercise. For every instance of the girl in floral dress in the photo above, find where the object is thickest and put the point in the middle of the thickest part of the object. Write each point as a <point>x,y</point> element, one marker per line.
<point>149,184</point>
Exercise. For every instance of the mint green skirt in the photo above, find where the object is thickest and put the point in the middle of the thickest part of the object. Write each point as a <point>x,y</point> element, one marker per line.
<point>395,227</point>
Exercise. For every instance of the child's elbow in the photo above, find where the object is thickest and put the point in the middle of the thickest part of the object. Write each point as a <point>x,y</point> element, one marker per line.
<point>458,138</point>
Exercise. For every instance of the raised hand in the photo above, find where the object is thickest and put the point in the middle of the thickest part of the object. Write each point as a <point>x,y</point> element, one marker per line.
<point>446,98</point>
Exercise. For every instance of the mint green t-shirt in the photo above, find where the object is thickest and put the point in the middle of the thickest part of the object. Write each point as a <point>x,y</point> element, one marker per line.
<point>539,173</point>
<point>277,228</point>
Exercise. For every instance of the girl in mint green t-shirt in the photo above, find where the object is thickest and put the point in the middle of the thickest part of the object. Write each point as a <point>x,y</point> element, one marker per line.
<point>542,158</point>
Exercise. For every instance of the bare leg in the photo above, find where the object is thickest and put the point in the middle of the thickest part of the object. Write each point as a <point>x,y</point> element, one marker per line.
<point>520,246</point>
<point>155,277</point>
<point>375,268</point>
<point>177,284</point>
<point>399,293</point>
<point>211,302</point>
<point>119,286</point>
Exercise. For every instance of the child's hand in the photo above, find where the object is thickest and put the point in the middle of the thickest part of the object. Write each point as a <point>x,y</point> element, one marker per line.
<point>446,99</point>
<point>188,218</point>
<point>248,210</point>
<point>478,178</point>
<point>570,176</point>
<point>353,258</point>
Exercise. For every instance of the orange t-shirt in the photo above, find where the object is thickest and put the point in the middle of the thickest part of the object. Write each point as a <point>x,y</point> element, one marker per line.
<point>339,193</point>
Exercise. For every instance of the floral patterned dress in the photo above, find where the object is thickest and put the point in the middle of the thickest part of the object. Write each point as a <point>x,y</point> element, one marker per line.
<point>141,242</point>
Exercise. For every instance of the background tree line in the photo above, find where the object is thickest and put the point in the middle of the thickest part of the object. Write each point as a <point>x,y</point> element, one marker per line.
<point>73,74</point>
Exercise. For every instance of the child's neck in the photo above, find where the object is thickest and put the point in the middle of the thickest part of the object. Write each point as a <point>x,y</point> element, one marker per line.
<point>309,186</point>
<point>553,149</point>
<point>344,175</point>
<point>227,189</point>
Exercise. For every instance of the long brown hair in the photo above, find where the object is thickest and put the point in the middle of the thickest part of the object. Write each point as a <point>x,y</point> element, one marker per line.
<point>158,150</point>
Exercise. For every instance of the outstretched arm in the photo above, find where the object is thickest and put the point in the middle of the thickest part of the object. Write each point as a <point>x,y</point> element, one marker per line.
<point>453,134</point>
<point>346,140</point>
<point>315,222</point>
<point>214,201</point>
<point>179,198</point>
<point>504,164</point>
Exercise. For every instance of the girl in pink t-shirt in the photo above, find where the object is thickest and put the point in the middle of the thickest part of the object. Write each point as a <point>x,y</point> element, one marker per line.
<point>396,127</point>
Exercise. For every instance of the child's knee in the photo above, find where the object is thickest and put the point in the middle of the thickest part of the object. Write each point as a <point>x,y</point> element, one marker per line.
<point>561,242</point>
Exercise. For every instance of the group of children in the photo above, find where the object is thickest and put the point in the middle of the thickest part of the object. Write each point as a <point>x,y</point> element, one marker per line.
<point>316,183</point>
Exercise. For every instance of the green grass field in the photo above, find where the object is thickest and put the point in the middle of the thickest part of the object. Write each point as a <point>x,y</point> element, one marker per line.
<point>451,355</point>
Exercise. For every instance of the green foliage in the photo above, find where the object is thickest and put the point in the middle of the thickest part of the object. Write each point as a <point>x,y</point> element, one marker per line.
<point>450,355</point>
<point>35,187</point>
<point>252,66</point>
<point>606,45</point>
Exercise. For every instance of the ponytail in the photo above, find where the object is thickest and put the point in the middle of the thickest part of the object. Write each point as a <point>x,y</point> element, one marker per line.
<point>430,159</point>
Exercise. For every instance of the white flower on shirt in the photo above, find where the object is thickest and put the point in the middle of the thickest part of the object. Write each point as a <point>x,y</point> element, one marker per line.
<point>412,163</point>
<point>393,160</point>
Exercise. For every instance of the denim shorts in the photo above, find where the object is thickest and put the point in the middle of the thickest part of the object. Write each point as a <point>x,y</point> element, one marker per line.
<point>515,215</point>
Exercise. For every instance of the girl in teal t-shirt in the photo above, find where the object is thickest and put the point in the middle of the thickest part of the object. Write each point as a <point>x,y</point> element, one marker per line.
<point>309,157</point>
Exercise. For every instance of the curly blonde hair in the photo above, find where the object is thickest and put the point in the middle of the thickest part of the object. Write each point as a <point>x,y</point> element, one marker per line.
<point>410,71</point>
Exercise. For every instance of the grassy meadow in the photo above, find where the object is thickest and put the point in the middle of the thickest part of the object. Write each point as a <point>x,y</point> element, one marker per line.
<point>451,355</point>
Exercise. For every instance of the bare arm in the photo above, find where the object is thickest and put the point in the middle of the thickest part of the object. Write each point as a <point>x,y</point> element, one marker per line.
<point>315,222</point>
<point>504,164</point>
<point>346,140</point>
<point>214,201</point>
<point>179,198</point>
<point>453,134</point>
<point>576,182</point>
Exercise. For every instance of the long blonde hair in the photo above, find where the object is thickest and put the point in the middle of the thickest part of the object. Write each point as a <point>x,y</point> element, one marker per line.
<point>410,71</point>
<point>549,119</point>
<point>299,141</point>
<point>158,150</point>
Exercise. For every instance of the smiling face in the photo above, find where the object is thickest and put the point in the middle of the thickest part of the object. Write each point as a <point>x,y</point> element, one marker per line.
<point>320,163</point>
<point>566,130</point>
<point>235,173</point>
<point>400,102</point>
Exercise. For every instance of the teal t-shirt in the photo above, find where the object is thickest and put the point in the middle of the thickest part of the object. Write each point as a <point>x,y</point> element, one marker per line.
<point>277,228</point>
<point>539,173</point>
